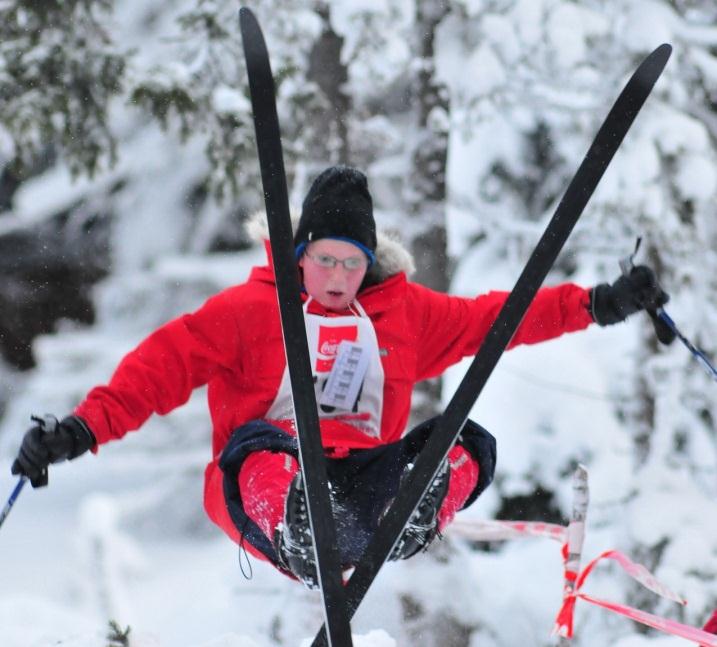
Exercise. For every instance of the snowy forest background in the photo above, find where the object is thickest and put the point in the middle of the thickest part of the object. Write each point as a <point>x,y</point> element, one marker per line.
<point>128,169</point>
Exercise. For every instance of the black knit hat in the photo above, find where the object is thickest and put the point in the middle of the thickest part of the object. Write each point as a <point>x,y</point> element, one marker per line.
<point>338,205</point>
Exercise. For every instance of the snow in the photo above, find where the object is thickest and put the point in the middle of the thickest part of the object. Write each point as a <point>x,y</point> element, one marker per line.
<point>569,27</point>
<point>649,23</point>
<point>7,144</point>
<point>697,178</point>
<point>364,21</point>
<point>226,99</point>
<point>527,16</point>
<point>377,638</point>
<point>484,71</point>
<point>68,566</point>
<point>19,618</point>
<point>40,197</point>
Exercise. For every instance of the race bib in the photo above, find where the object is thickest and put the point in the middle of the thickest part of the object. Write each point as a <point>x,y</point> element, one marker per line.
<point>346,377</point>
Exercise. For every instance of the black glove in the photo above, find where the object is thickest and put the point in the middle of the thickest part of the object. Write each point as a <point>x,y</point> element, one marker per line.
<point>639,290</point>
<point>50,441</point>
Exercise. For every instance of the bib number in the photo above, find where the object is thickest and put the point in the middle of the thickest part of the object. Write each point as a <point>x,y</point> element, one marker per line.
<point>346,377</point>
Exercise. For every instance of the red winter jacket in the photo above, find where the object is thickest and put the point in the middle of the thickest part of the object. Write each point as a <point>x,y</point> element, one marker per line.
<point>233,344</point>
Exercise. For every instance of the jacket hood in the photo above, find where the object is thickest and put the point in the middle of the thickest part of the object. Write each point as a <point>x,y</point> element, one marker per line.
<point>391,256</point>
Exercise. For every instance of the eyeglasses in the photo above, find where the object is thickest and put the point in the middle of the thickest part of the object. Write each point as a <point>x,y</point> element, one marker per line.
<point>351,264</point>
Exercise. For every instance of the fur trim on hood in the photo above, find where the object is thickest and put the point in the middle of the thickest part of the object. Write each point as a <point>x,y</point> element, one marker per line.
<point>391,256</point>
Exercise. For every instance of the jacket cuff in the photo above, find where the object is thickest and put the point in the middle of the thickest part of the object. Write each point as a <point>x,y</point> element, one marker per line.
<point>83,438</point>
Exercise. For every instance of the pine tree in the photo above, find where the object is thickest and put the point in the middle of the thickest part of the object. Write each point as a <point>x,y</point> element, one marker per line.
<point>59,71</point>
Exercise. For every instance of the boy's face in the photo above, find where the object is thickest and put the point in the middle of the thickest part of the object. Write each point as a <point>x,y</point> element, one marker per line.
<point>333,287</point>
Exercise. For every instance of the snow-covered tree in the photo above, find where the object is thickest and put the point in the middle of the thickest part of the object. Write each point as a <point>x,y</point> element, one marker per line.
<point>59,69</point>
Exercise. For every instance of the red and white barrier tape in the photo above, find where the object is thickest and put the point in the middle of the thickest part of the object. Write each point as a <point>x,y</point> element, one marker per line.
<point>636,571</point>
<point>486,530</point>
<point>489,530</point>
<point>703,638</point>
<point>564,620</point>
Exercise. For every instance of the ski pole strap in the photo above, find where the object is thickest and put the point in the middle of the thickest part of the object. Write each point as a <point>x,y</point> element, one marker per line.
<point>698,354</point>
<point>13,497</point>
<point>627,263</point>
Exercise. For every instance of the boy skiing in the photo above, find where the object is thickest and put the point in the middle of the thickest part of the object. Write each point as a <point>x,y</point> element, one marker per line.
<point>372,335</point>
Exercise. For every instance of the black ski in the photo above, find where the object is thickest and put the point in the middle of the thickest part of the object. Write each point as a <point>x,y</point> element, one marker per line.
<point>450,424</point>
<point>313,466</point>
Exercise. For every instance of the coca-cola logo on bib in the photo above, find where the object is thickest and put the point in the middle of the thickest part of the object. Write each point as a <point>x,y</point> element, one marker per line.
<point>329,339</point>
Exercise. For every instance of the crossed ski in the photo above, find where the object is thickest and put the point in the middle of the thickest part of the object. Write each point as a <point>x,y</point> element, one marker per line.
<point>341,602</point>
<point>281,238</point>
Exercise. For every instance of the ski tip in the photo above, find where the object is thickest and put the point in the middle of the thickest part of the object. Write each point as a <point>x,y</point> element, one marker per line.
<point>246,17</point>
<point>654,63</point>
<point>252,36</point>
<point>665,50</point>
<point>661,54</point>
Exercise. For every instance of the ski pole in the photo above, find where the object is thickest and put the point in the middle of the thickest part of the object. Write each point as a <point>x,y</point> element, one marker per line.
<point>48,425</point>
<point>698,354</point>
<point>665,327</point>
<point>13,497</point>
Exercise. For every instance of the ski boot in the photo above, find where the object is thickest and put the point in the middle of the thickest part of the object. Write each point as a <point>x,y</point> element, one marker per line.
<point>422,527</point>
<point>292,540</point>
